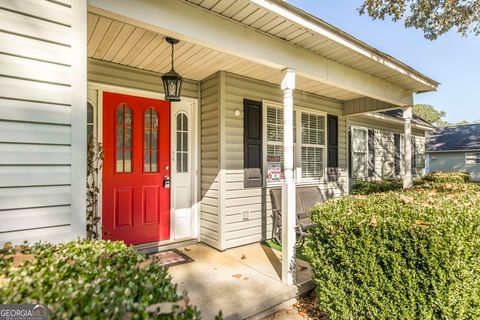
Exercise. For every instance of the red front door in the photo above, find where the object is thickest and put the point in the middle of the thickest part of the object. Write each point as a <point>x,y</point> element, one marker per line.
<point>136,143</point>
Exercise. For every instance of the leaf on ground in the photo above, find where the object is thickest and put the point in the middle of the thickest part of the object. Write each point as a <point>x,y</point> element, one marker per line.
<point>18,259</point>
<point>237,276</point>
<point>243,257</point>
<point>3,280</point>
<point>406,199</point>
<point>144,263</point>
<point>373,221</point>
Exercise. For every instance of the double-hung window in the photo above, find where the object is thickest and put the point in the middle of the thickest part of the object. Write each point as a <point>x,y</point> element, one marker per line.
<point>359,152</point>
<point>313,145</point>
<point>309,137</point>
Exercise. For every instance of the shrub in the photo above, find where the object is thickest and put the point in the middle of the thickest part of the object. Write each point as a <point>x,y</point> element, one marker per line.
<point>413,254</point>
<point>89,280</point>
<point>447,177</point>
<point>369,187</point>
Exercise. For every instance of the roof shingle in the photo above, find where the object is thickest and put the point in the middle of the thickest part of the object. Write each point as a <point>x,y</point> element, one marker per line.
<point>462,137</point>
<point>398,114</point>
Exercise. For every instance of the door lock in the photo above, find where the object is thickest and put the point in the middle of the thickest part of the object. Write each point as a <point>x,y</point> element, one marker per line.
<point>166,182</point>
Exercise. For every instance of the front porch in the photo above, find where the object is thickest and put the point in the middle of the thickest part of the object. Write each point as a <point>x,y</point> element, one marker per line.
<point>283,101</point>
<point>244,282</point>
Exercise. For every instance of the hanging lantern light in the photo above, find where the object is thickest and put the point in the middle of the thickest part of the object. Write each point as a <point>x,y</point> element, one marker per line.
<point>172,81</point>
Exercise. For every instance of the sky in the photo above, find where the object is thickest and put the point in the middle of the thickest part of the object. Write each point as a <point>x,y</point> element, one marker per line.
<point>452,60</point>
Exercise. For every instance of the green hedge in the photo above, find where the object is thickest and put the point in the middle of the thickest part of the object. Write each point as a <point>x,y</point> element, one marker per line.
<point>369,187</point>
<point>413,254</point>
<point>447,177</point>
<point>88,280</point>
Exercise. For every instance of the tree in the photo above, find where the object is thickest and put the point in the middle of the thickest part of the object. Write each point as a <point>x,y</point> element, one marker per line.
<point>430,114</point>
<point>434,17</point>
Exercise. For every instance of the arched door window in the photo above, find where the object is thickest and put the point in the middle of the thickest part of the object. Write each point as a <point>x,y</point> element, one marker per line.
<point>123,139</point>
<point>182,143</point>
<point>150,138</point>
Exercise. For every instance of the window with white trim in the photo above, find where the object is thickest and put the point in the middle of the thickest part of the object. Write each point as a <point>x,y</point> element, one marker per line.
<point>472,158</point>
<point>359,152</point>
<point>309,136</point>
<point>313,145</point>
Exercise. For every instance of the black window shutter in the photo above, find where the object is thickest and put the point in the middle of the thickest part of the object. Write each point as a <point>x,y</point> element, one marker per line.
<point>398,153</point>
<point>371,152</point>
<point>252,143</point>
<point>332,148</point>
<point>332,127</point>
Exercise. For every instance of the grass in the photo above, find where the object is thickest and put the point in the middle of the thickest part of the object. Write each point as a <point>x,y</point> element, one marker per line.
<point>272,244</point>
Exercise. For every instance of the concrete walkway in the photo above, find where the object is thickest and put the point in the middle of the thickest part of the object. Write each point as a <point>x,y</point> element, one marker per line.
<point>243,282</point>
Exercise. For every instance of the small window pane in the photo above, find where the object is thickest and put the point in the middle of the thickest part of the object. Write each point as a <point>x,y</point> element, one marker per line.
<point>154,139</point>
<point>179,122</point>
<point>128,116</point>
<point>185,162</point>
<point>89,132</point>
<point>89,113</point>
<point>119,161</point>
<point>185,123</point>
<point>120,115</point>
<point>128,138</point>
<point>146,139</point>
<point>119,137</point>
<point>154,119</point>
<point>154,167</point>
<point>185,141</point>
<point>179,141</point>
<point>179,161</point>
<point>146,161</point>
<point>148,118</point>
<point>128,161</point>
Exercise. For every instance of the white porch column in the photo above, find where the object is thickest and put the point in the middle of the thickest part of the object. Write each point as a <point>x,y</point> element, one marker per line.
<point>288,186</point>
<point>407,161</point>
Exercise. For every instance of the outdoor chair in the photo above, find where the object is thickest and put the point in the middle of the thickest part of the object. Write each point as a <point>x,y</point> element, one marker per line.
<point>306,198</point>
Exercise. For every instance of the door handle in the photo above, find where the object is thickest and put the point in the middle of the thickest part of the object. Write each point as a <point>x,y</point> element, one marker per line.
<point>166,182</point>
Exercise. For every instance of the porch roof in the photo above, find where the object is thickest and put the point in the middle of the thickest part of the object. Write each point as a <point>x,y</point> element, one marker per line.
<point>284,21</point>
<point>252,38</point>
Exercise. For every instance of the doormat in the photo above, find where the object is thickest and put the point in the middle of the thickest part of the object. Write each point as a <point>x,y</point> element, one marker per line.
<point>170,258</point>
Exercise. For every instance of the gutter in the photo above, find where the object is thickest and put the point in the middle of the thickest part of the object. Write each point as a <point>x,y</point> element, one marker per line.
<point>322,27</point>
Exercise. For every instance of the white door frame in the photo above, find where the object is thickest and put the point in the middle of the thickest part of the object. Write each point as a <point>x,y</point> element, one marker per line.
<point>101,87</point>
<point>193,149</point>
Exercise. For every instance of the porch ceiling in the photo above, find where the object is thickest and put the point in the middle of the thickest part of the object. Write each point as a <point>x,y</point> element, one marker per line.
<point>118,42</point>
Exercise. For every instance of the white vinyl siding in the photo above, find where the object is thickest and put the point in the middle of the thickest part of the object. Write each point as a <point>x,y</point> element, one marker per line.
<point>42,114</point>
<point>209,165</point>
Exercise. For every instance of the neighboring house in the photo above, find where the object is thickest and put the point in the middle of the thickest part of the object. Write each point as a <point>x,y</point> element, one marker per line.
<point>377,145</point>
<point>195,170</point>
<point>455,148</point>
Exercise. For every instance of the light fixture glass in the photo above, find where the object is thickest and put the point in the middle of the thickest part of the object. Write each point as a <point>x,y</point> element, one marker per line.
<point>172,81</point>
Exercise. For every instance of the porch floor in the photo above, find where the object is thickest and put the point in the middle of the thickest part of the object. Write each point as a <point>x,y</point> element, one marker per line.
<point>243,282</point>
